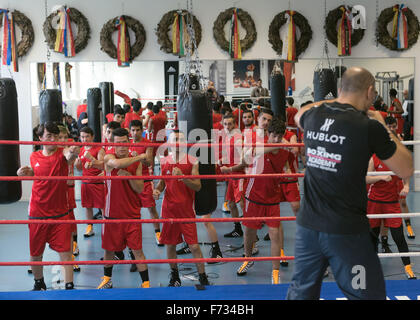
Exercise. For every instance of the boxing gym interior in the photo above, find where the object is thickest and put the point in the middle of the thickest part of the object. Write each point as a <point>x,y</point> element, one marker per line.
<point>74,62</point>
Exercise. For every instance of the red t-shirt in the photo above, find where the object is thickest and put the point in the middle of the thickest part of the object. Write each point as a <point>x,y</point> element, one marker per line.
<point>81,108</point>
<point>230,154</point>
<point>217,118</point>
<point>382,190</point>
<point>130,117</point>
<point>140,150</point>
<point>292,159</point>
<point>291,112</point>
<point>158,124</point>
<point>110,117</point>
<point>94,151</point>
<point>266,190</point>
<point>48,197</point>
<point>122,202</point>
<point>177,194</point>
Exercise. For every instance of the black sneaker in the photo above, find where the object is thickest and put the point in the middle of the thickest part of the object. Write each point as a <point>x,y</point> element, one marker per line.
<point>184,250</point>
<point>204,281</point>
<point>234,234</point>
<point>39,285</point>
<point>69,286</point>
<point>214,254</point>
<point>175,280</point>
<point>385,248</point>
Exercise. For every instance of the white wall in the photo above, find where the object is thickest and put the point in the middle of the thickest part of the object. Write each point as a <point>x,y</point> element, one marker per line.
<point>150,12</point>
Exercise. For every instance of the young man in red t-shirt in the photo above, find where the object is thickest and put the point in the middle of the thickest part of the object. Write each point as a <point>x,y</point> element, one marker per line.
<point>91,163</point>
<point>49,201</point>
<point>136,131</point>
<point>177,203</point>
<point>136,114</point>
<point>263,195</point>
<point>383,196</point>
<point>123,202</point>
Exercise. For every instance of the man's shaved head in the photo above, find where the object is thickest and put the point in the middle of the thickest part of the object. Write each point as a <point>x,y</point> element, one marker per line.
<point>356,80</point>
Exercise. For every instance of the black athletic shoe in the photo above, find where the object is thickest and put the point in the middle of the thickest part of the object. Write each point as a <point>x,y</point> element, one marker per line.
<point>69,286</point>
<point>215,254</point>
<point>234,234</point>
<point>184,250</point>
<point>385,248</point>
<point>204,281</point>
<point>175,281</point>
<point>39,285</point>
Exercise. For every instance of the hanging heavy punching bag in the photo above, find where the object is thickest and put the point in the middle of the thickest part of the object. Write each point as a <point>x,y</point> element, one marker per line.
<point>325,84</point>
<point>195,110</point>
<point>94,112</point>
<point>107,95</point>
<point>50,106</point>
<point>278,95</point>
<point>10,191</point>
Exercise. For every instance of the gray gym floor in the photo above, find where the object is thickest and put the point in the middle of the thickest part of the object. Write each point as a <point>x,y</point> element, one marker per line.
<point>15,247</point>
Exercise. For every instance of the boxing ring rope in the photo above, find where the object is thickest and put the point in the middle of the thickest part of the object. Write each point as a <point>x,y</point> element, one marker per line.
<point>172,220</point>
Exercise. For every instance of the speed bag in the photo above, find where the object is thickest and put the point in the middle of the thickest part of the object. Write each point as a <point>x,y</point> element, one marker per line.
<point>278,96</point>
<point>325,84</point>
<point>195,112</point>
<point>93,112</point>
<point>107,97</point>
<point>10,191</point>
<point>50,106</point>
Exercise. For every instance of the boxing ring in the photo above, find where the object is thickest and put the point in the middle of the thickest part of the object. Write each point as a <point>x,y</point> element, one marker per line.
<point>396,289</point>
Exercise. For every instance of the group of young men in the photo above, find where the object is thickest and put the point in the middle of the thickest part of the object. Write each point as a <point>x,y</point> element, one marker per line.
<point>123,198</point>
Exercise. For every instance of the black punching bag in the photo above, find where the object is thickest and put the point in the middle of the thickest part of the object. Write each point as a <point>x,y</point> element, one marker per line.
<point>50,106</point>
<point>195,110</point>
<point>278,95</point>
<point>94,112</point>
<point>10,191</point>
<point>107,95</point>
<point>325,84</point>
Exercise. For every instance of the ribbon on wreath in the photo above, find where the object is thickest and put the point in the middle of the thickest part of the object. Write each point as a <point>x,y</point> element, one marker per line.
<point>235,42</point>
<point>123,45</point>
<point>400,26</point>
<point>64,41</point>
<point>344,33</point>
<point>9,50</point>
<point>179,34</point>
<point>289,44</point>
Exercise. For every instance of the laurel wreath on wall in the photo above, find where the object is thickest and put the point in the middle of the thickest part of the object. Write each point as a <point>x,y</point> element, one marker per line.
<point>301,22</point>
<point>28,35</point>
<point>247,23</point>
<point>330,27</point>
<point>83,29</point>
<point>382,35</point>
<point>165,24</point>
<point>109,28</point>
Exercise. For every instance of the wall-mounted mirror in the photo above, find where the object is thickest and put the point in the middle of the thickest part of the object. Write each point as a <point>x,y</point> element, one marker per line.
<point>157,80</point>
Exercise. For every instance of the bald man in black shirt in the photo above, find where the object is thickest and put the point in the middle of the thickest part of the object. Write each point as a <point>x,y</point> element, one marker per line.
<point>332,228</point>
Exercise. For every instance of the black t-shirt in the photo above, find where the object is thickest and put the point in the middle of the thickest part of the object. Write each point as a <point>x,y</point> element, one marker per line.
<point>339,141</point>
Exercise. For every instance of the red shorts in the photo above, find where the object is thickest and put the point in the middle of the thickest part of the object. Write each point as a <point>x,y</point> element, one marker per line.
<point>118,236</point>
<point>71,197</point>
<point>174,233</point>
<point>58,236</point>
<point>290,192</point>
<point>235,190</point>
<point>380,208</point>
<point>259,210</point>
<point>93,195</point>
<point>146,196</point>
